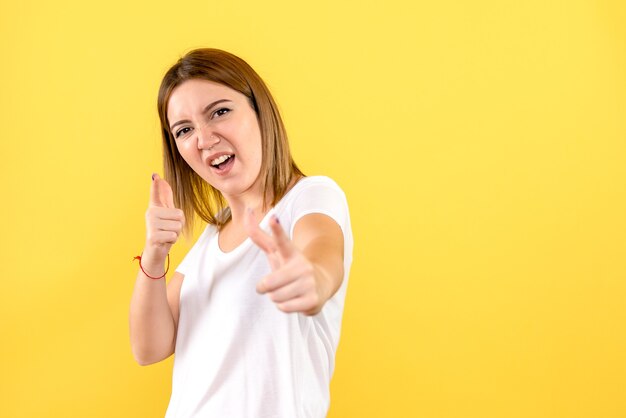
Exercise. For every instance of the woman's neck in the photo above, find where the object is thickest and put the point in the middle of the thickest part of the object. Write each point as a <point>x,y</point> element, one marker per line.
<point>239,205</point>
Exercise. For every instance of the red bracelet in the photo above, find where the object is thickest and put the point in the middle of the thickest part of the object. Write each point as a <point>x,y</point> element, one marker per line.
<point>144,272</point>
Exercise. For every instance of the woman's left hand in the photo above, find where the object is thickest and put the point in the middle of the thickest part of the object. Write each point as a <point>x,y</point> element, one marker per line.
<point>292,284</point>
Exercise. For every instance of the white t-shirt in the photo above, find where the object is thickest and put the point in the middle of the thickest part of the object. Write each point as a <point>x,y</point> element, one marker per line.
<point>238,355</point>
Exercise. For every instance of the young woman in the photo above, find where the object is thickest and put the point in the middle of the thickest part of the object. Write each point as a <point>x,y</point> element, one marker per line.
<point>253,312</point>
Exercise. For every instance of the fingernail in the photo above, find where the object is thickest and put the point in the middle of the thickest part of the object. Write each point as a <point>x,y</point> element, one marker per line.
<point>276,219</point>
<point>153,174</point>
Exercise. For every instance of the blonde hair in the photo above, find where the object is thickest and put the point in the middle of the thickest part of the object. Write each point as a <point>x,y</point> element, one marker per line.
<point>193,194</point>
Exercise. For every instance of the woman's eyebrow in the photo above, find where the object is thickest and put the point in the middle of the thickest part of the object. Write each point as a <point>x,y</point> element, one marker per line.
<point>206,109</point>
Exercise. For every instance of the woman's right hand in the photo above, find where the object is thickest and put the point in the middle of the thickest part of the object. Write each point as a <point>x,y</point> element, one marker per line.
<point>164,223</point>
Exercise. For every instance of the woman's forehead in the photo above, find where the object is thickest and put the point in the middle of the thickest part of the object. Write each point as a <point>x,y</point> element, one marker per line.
<point>193,95</point>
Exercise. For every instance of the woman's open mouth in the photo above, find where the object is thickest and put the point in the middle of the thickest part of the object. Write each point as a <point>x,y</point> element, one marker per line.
<point>223,163</point>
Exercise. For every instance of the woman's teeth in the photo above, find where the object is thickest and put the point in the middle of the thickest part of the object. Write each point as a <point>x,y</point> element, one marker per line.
<point>220,160</point>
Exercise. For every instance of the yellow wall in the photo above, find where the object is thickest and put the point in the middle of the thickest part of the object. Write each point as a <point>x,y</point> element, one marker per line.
<point>482,146</point>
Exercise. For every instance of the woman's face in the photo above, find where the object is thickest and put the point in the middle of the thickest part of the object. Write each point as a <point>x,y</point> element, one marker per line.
<point>217,133</point>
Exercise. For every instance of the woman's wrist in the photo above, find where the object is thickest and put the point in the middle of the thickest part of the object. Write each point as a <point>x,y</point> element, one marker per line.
<point>153,264</point>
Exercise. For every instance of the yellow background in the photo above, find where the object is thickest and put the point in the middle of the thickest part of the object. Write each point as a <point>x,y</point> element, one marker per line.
<point>482,147</point>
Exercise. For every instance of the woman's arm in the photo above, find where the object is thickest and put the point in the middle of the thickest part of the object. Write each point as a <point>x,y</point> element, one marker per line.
<point>320,239</point>
<point>154,305</point>
<point>154,317</point>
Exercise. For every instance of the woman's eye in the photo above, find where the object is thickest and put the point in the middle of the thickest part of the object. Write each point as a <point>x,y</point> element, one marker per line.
<point>221,112</point>
<point>182,132</point>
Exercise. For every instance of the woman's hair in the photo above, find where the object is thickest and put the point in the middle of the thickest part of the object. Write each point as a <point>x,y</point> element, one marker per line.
<point>192,193</point>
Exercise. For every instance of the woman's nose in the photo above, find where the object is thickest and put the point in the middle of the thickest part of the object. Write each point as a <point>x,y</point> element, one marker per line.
<point>206,138</point>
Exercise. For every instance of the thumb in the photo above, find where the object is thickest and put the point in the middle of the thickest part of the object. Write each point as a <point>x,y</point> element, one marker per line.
<point>161,193</point>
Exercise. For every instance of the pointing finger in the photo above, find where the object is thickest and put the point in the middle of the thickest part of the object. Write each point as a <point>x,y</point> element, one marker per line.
<point>166,194</point>
<point>161,193</point>
<point>155,199</point>
<point>284,244</point>
<point>257,235</point>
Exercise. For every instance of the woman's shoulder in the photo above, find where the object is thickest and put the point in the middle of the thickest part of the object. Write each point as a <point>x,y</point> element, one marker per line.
<point>313,181</point>
<point>314,191</point>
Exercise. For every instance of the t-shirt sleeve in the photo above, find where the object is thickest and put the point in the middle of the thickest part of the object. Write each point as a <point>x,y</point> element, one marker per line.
<point>321,196</point>
<point>190,257</point>
<point>183,266</point>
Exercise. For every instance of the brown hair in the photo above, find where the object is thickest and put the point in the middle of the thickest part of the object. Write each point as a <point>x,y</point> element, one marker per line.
<point>192,193</point>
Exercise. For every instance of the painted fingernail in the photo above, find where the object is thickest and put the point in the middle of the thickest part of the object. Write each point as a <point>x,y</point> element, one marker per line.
<point>153,174</point>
